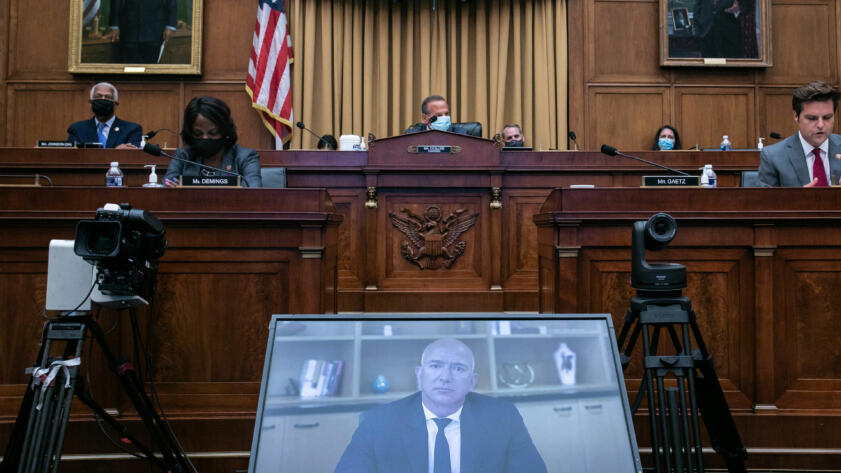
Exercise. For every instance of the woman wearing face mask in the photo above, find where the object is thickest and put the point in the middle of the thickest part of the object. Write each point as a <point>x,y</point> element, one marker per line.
<point>667,138</point>
<point>210,136</point>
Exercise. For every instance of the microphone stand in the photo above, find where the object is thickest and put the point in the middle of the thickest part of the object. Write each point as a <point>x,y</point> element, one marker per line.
<point>611,151</point>
<point>320,139</point>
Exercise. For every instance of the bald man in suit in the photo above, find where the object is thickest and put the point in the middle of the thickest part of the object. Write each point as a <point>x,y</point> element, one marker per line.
<point>443,428</point>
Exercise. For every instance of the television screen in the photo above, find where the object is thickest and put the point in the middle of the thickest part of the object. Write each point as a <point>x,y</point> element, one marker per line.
<point>517,393</point>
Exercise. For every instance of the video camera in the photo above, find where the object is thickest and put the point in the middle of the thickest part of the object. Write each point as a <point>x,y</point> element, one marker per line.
<point>654,234</point>
<point>124,245</point>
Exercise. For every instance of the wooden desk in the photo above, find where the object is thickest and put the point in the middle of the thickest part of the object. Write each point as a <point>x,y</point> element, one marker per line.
<point>498,268</point>
<point>764,274</point>
<point>234,257</point>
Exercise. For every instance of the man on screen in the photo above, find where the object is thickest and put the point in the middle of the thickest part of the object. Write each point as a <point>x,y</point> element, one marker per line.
<point>810,157</point>
<point>435,115</point>
<point>443,428</point>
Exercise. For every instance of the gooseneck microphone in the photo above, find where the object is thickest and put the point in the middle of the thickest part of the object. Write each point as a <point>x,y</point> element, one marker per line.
<point>572,137</point>
<point>611,151</point>
<point>156,150</point>
<point>72,132</point>
<point>320,139</point>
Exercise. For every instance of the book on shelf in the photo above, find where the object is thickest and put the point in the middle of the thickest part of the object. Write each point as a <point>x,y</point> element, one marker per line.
<point>320,378</point>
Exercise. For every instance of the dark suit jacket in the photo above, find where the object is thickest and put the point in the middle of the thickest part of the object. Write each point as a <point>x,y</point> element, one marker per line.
<point>783,164</point>
<point>469,128</point>
<point>121,132</point>
<point>393,438</point>
<point>143,21</point>
<point>241,160</point>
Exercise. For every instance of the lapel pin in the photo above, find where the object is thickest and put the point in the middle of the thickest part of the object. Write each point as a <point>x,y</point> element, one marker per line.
<point>838,156</point>
<point>116,129</point>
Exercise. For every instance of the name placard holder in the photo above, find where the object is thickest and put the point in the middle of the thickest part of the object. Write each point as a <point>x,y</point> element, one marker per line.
<point>53,144</point>
<point>434,149</point>
<point>209,181</point>
<point>671,181</point>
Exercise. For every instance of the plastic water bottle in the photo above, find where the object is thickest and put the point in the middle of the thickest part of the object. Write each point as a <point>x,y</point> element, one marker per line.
<point>725,144</point>
<point>114,177</point>
<point>708,178</point>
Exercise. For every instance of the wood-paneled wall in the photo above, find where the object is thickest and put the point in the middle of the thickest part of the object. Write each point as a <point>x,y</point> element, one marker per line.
<point>619,94</point>
<point>40,98</point>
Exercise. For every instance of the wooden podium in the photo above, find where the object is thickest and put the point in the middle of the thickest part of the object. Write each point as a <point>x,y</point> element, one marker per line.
<point>234,257</point>
<point>764,274</point>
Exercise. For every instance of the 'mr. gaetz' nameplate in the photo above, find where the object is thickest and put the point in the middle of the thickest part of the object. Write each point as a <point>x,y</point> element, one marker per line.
<point>434,149</point>
<point>671,181</point>
<point>210,181</point>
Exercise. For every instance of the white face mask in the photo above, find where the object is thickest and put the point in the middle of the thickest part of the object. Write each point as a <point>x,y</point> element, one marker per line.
<point>441,123</point>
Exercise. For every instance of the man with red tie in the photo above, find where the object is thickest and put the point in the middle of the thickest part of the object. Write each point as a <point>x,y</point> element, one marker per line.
<point>812,156</point>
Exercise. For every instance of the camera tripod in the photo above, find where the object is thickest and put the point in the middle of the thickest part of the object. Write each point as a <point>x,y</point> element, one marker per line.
<point>675,430</point>
<point>38,435</point>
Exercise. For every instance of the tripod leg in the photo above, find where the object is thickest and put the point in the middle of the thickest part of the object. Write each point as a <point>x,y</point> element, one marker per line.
<point>674,415</point>
<point>663,407</point>
<point>652,406</point>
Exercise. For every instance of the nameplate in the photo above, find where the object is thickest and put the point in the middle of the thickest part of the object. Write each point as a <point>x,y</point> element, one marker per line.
<point>54,144</point>
<point>434,149</point>
<point>210,181</point>
<point>671,181</point>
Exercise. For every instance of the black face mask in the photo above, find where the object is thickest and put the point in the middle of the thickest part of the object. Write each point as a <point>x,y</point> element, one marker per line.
<point>206,148</point>
<point>515,144</point>
<point>102,107</point>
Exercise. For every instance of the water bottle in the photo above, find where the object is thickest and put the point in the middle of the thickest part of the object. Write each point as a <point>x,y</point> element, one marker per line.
<point>708,178</point>
<point>725,144</point>
<point>114,177</point>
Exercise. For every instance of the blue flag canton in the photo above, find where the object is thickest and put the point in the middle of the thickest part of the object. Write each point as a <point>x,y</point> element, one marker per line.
<point>273,4</point>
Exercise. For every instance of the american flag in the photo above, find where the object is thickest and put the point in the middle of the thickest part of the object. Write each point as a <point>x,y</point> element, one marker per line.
<point>90,9</point>
<point>269,81</point>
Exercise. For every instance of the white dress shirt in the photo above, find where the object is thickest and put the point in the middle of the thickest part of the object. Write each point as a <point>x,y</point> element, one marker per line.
<point>453,433</point>
<point>810,157</point>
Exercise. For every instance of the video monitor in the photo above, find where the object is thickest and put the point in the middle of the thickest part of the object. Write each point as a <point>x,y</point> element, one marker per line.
<point>526,393</point>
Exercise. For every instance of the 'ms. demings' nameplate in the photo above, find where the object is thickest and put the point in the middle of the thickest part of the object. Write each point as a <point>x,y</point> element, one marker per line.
<point>434,149</point>
<point>671,181</point>
<point>210,181</point>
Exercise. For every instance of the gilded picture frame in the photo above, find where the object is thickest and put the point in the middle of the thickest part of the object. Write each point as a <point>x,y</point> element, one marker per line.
<point>135,37</point>
<point>715,33</point>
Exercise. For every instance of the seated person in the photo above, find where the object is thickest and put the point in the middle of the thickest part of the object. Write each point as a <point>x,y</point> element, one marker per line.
<point>443,428</point>
<point>435,115</point>
<point>210,136</point>
<point>104,127</point>
<point>328,142</point>
<point>803,159</point>
<point>666,138</point>
<point>512,136</point>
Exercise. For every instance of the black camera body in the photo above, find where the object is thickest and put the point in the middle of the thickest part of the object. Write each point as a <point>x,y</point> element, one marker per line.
<point>654,234</point>
<point>125,245</point>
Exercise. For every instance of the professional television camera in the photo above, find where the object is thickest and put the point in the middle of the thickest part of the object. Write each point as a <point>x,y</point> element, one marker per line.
<point>124,244</point>
<point>654,234</point>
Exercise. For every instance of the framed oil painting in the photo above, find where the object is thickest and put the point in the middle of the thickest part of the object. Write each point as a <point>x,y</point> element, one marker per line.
<point>715,33</point>
<point>135,36</point>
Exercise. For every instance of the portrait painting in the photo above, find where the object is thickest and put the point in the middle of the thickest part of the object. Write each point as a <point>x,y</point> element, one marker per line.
<point>135,36</point>
<point>717,33</point>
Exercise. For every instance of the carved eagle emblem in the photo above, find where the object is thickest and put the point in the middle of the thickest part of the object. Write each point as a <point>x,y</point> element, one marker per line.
<point>432,241</point>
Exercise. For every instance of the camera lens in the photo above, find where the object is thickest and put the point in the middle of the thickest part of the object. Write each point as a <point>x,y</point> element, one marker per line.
<point>661,228</point>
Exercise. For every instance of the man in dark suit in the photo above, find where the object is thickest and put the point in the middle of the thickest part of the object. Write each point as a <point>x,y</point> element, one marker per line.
<point>717,27</point>
<point>435,115</point>
<point>444,428</point>
<point>141,26</point>
<point>812,156</point>
<point>104,127</point>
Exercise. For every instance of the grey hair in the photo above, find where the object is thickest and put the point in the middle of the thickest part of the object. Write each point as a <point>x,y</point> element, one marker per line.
<point>111,86</point>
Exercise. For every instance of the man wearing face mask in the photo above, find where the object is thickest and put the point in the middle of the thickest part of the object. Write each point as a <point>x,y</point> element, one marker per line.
<point>512,136</point>
<point>435,115</point>
<point>104,127</point>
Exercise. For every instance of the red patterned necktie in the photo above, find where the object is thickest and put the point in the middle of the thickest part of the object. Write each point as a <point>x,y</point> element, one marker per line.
<point>818,169</point>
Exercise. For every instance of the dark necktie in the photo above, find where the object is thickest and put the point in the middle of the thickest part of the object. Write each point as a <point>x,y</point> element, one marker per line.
<point>441,455</point>
<point>818,169</point>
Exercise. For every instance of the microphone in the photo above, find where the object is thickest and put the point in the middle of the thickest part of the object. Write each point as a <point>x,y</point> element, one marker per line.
<point>72,132</point>
<point>611,151</point>
<point>81,144</point>
<point>155,150</point>
<point>320,139</point>
<point>572,136</point>
<point>775,135</point>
